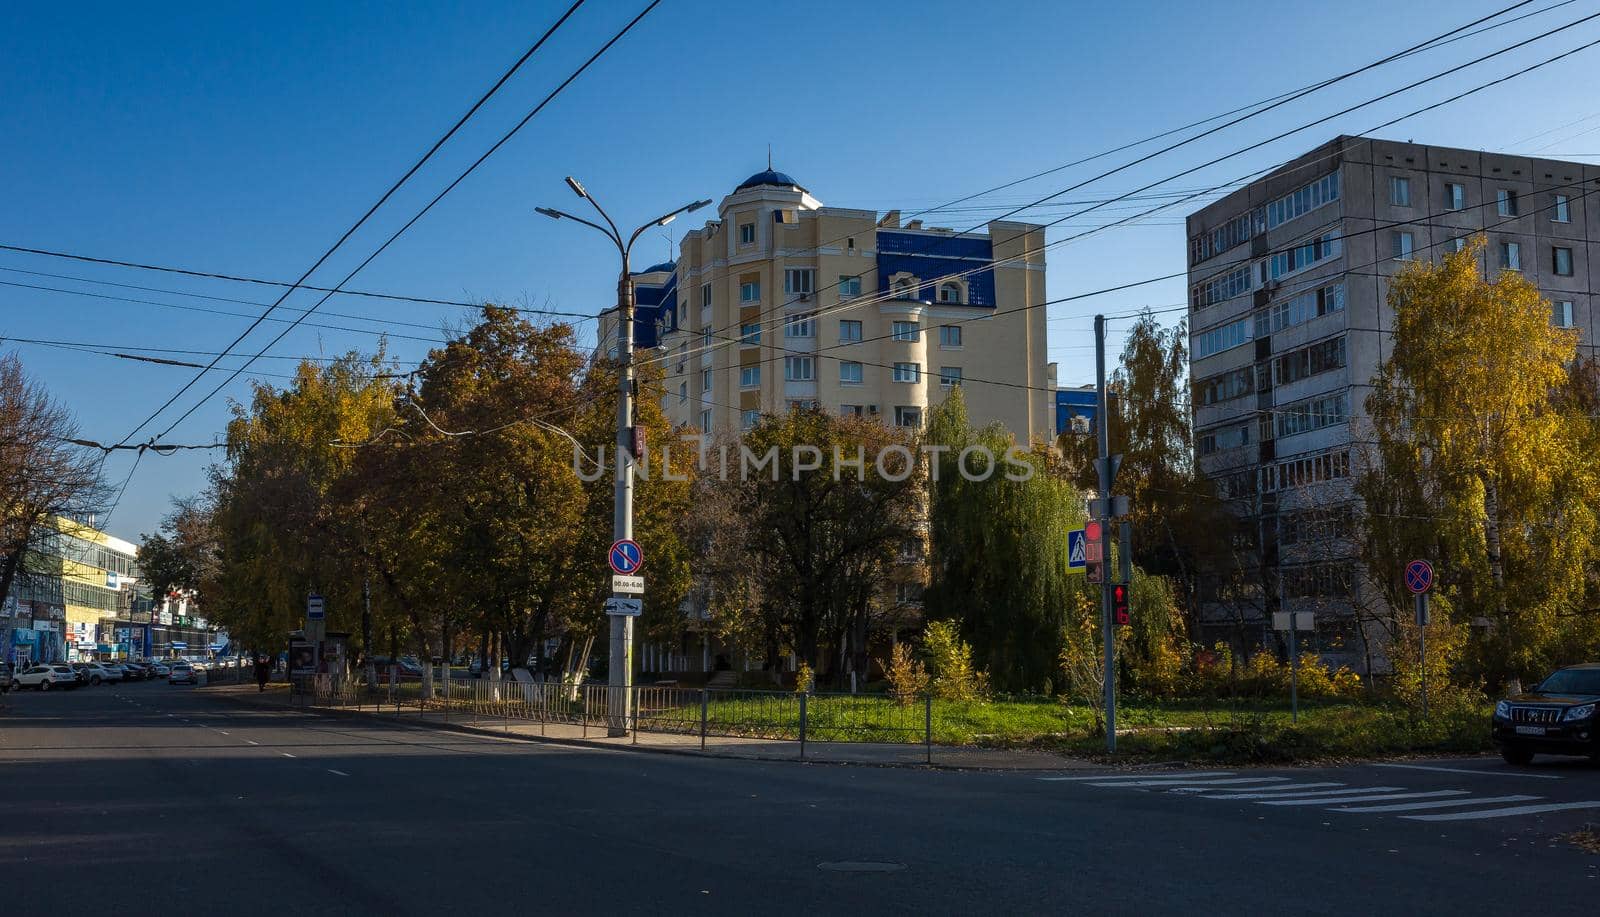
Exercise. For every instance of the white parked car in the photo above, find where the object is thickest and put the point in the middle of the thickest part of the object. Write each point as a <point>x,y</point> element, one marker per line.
<point>182,674</point>
<point>97,672</point>
<point>45,677</point>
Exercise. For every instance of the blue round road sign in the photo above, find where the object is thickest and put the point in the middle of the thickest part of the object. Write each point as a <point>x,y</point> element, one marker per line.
<point>625,557</point>
<point>1419,576</point>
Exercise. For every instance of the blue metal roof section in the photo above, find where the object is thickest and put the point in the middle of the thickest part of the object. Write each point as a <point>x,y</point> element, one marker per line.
<point>1072,403</point>
<point>655,309</point>
<point>663,266</point>
<point>927,256</point>
<point>769,177</point>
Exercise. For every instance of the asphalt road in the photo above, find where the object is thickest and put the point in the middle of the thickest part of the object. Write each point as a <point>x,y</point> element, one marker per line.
<point>169,801</point>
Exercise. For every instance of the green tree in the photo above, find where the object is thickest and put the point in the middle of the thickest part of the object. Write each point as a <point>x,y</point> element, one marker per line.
<point>1483,459</point>
<point>997,547</point>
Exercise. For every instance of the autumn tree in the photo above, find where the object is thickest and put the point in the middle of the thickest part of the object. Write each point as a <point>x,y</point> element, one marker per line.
<point>1175,513</point>
<point>1484,461</point>
<point>44,473</point>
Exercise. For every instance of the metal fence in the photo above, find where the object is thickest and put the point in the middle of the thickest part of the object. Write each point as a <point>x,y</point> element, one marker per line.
<point>701,713</point>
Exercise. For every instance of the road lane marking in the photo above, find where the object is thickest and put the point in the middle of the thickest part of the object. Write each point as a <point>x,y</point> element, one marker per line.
<point>1441,804</point>
<point>1375,798</point>
<point>1464,770</point>
<point>1225,781</point>
<point>1502,813</point>
<point>340,773</point>
<point>1143,776</point>
<point>223,731</point>
<point>252,742</point>
<point>1281,790</point>
<point>1250,793</point>
<point>286,754</point>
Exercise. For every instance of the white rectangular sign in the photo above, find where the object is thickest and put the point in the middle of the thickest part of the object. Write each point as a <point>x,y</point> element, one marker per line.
<point>1305,619</point>
<point>631,585</point>
<point>630,607</point>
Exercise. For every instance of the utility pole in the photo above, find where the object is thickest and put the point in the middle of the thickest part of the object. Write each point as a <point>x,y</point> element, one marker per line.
<point>619,699</point>
<point>1108,627</point>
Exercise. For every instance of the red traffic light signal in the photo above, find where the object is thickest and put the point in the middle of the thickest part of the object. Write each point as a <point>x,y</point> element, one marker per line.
<point>1091,531</point>
<point>1119,602</point>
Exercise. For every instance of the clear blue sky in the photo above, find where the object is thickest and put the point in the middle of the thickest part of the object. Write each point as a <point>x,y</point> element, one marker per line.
<point>244,138</point>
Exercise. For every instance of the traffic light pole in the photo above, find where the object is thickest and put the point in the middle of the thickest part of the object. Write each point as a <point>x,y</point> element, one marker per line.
<point>1108,627</point>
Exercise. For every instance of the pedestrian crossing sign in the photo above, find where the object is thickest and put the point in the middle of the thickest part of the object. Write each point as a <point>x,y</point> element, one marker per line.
<point>1077,555</point>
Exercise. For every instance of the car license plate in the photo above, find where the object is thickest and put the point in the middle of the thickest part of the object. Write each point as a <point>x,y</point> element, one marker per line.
<point>1530,730</point>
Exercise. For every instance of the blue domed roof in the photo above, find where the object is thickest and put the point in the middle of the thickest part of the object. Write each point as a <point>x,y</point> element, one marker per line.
<point>769,177</point>
<point>667,266</point>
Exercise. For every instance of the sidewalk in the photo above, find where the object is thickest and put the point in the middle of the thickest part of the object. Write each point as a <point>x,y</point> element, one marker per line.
<point>875,754</point>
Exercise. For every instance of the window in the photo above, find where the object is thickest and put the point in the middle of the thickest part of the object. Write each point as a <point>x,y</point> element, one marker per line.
<point>908,372</point>
<point>1309,361</point>
<point>1313,414</point>
<point>1224,337</point>
<point>1328,466</point>
<point>949,376</point>
<point>1234,232</point>
<point>1400,245</point>
<point>1563,210</point>
<point>799,280</point>
<point>849,373</point>
<point>747,233</point>
<point>750,291</point>
<point>1510,256</point>
<point>705,380</point>
<point>750,334</point>
<point>705,338</point>
<point>902,289</point>
<point>748,419</point>
<point>705,421</point>
<point>907,416</point>
<point>849,330</point>
<point>949,336</point>
<point>1324,190</point>
<point>1222,287</point>
<point>908,593</point>
<point>683,392</point>
<point>799,325</point>
<point>1455,195</point>
<point>1301,256</point>
<point>1459,243</point>
<point>1225,438</point>
<point>683,352</point>
<point>905,331</point>
<point>1563,262</point>
<point>799,369</point>
<point>1399,191</point>
<point>803,405</point>
<point>850,410</point>
<point>750,376</point>
<point>849,287</point>
<point>1561,313</point>
<point>705,295</point>
<point>950,292</point>
<point>1505,202</point>
<point>1225,387</point>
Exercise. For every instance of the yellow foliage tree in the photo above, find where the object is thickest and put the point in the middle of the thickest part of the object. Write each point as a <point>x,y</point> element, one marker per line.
<point>1481,462</point>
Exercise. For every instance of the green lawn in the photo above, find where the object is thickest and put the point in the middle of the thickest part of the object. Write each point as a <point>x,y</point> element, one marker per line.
<point>1214,730</point>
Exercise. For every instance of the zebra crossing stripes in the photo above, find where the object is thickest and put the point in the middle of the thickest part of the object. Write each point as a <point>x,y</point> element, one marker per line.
<point>1334,796</point>
<point>1438,804</point>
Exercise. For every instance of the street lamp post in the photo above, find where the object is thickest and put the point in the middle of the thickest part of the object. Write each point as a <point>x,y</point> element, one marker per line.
<point>620,698</point>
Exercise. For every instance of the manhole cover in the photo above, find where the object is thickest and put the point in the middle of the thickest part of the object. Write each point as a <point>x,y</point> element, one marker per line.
<point>861,866</point>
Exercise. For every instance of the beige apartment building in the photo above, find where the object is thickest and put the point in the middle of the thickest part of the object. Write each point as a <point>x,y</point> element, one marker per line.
<point>781,301</point>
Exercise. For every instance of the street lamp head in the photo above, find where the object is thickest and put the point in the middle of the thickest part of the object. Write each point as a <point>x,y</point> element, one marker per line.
<point>696,206</point>
<point>577,187</point>
<point>552,214</point>
<point>666,219</point>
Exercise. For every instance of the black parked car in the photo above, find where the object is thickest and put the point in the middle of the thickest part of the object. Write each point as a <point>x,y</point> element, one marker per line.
<point>1556,717</point>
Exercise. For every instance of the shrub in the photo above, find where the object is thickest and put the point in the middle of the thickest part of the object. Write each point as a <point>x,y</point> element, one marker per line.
<point>1318,680</point>
<point>804,679</point>
<point>906,676</point>
<point>950,664</point>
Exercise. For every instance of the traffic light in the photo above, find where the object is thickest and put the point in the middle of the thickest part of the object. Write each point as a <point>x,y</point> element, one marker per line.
<point>1119,602</point>
<point>1093,552</point>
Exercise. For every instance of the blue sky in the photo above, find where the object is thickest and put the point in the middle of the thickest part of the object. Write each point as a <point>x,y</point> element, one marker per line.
<point>244,138</point>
